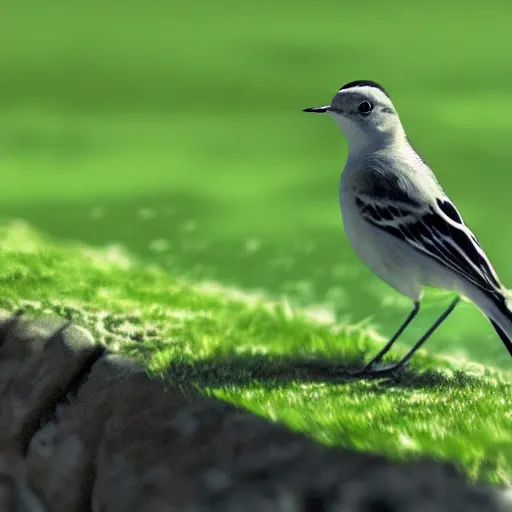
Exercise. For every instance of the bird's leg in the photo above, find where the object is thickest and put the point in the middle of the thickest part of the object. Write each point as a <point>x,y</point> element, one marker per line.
<point>389,344</point>
<point>417,345</point>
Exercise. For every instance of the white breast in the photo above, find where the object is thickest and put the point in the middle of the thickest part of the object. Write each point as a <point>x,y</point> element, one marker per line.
<point>389,258</point>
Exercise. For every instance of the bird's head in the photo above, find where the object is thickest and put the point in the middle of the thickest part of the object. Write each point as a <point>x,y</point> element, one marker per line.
<point>365,113</point>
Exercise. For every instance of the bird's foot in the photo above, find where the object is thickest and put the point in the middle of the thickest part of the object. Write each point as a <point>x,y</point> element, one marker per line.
<point>375,371</point>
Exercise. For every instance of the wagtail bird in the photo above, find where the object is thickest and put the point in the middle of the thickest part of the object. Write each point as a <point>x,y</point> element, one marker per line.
<point>399,220</point>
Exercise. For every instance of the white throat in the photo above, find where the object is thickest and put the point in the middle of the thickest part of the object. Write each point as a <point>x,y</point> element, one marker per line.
<point>363,140</point>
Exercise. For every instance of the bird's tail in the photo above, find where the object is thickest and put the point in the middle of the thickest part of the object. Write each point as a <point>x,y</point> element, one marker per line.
<point>506,340</point>
<point>501,320</point>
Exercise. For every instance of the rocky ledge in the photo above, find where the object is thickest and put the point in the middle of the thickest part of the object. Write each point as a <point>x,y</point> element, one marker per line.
<point>82,429</point>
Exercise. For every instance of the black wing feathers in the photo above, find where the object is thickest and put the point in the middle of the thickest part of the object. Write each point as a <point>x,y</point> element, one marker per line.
<point>449,210</point>
<point>440,234</point>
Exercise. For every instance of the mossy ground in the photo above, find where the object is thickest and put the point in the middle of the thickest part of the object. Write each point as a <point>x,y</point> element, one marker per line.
<point>276,361</point>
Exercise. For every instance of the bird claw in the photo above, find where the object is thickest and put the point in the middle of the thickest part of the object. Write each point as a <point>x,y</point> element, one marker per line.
<point>371,371</point>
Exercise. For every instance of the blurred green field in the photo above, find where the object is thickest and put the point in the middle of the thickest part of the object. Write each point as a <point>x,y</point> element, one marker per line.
<point>176,130</point>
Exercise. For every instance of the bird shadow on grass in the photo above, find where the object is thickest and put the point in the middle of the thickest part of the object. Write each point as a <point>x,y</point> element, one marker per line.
<point>246,371</point>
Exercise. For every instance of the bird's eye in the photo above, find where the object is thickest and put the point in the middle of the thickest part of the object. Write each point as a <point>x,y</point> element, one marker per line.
<point>364,108</point>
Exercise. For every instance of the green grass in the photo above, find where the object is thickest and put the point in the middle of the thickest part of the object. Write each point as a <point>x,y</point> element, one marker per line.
<point>275,360</point>
<point>175,129</point>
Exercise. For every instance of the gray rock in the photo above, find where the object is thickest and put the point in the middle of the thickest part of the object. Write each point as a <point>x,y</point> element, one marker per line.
<point>84,430</point>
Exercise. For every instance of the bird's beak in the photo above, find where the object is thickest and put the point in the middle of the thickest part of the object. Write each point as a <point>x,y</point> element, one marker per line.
<point>318,110</point>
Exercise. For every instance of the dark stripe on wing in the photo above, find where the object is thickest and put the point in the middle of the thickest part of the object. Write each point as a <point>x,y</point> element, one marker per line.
<point>377,212</point>
<point>449,210</point>
<point>450,243</point>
